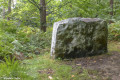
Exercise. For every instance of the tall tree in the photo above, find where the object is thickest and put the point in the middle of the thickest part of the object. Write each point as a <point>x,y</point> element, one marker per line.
<point>9,9</point>
<point>111,5</point>
<point>43,15</point>
<point>42,12</point>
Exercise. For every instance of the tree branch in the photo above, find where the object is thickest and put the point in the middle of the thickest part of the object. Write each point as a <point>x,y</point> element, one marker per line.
<point>48,2</point>
<point>34,3</point>
<point>59,8</point>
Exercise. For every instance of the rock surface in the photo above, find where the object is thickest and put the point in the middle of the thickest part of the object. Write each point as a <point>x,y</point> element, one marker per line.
<point>79,37</point>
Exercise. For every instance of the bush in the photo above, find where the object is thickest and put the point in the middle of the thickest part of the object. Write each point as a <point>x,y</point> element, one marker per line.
<point>114,31</point>
<point>8,26</point>
<point>5,44</point>
<point>24,39</point>
<point>33,40</point>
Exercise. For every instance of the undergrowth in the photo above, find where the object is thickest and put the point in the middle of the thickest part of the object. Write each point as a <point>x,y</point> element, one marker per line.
<point>26,40</point>
<point>30,41</point>
<point>11,69</point>
<point>114,31</point>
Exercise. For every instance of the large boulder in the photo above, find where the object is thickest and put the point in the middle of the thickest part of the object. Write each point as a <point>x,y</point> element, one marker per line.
<point>79,37</point>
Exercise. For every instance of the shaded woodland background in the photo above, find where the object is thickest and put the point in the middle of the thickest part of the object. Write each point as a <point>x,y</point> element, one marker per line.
<point>26,30</point>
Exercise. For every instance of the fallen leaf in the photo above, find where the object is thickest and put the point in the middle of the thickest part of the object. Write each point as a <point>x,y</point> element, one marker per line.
<point>78,64</point>
<point>73,76</point>
<point>50,77</point>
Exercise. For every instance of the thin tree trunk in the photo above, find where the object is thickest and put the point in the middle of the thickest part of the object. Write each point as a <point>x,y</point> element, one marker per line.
<point>3,13</point>
<point>9,9</point>
<point>42,15</point>
<point>111,5</point>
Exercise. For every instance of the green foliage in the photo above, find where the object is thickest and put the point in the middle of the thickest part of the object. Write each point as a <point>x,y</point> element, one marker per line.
<point>5,39</point>
<point>41,39</point>
<point>114,31</point>
<point>26,14</point>
<point>32,40</point>
<point>20,35</point>
<point>84,8</point>
<point>10,65</point>
<point>12,69</point>
<point>5,49</point>
<point>8,26</point>
<point>22,39</point>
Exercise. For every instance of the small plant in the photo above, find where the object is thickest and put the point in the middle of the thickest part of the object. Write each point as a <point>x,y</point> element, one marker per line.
<point>114,31</point>
<point>10,68</point>
<point>7,31</point>
<point>5,44</point>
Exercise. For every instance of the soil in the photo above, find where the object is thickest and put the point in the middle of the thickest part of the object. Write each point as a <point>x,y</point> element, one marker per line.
<point>105,67</point>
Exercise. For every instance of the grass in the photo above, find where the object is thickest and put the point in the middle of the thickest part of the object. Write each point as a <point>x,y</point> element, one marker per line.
<point>43,68</point>
<point>114,46</point>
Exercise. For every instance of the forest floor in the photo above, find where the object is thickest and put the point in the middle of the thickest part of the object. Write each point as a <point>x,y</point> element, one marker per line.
<point>102,67</point>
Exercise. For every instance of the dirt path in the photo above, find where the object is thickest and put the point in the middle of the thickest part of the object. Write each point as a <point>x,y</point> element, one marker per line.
<point>107,65</point>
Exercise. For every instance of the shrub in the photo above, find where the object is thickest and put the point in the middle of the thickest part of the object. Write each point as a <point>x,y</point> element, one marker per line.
<point>22,39</point>
<point>5,44</point>
<point>114,31</point>
<point>8,26</point>
<point>35,40</point>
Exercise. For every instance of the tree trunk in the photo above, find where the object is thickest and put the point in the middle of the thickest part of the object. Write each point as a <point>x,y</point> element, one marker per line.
<point>42,15</point>
<point>9,9</point>
<point>111,5</point>
<point>3,13</point>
